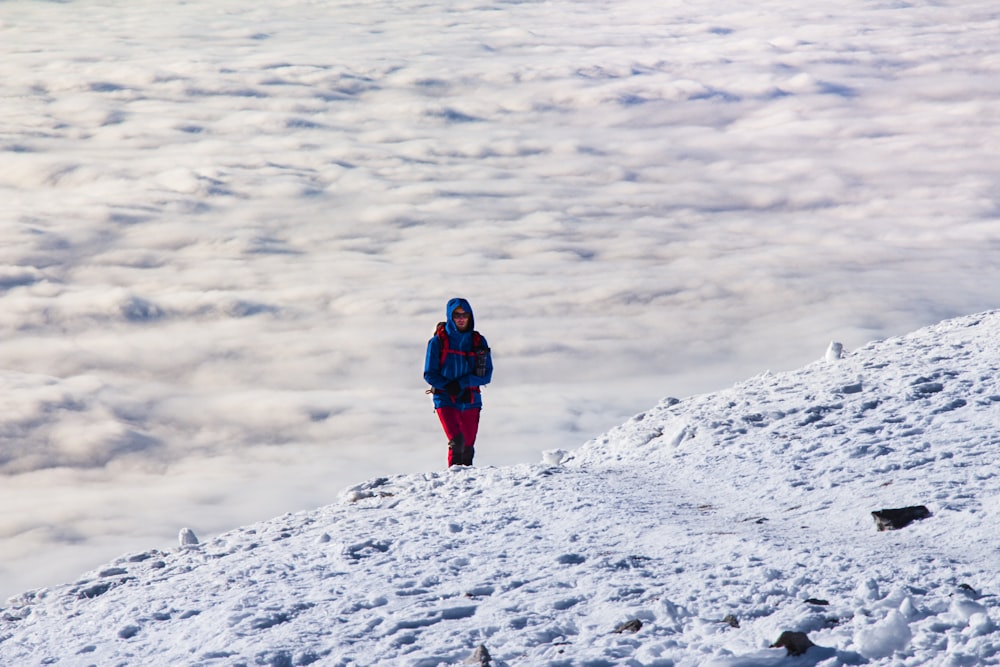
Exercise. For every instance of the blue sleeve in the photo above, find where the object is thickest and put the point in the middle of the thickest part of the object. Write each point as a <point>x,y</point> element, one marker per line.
<point>432,365</point>
<point>474,380</point>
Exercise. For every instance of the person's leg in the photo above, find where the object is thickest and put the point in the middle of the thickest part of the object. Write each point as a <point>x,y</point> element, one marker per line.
<point>451,422</point>
<point>470,429</point>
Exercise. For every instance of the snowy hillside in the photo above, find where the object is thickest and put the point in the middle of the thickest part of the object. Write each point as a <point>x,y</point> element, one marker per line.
<point>695,534</point>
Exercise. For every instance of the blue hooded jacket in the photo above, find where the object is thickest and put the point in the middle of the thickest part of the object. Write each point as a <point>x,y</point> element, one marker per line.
<point>459,363</point>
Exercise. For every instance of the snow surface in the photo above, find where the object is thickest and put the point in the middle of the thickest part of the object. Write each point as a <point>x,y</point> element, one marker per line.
<point>229,227</point>
<point>717,522</point>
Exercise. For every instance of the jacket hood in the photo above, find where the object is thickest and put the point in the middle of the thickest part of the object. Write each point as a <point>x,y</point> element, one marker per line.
<point>452,305</point>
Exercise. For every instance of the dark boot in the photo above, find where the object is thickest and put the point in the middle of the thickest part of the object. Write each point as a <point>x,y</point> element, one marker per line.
<point>456,451</point>
<point>467,455</point>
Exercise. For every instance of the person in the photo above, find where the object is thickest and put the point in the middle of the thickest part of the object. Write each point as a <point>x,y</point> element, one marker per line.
<point>457,365</point>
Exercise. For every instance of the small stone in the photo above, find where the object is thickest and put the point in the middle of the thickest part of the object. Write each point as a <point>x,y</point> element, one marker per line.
<point>894,519</point>
<point>112,572</point>
<point>554,457</point>
<point>480,657</point>
<point>629,626</point>
<point>969,591</point>
<point>187,538</point>
<point>796,643</point>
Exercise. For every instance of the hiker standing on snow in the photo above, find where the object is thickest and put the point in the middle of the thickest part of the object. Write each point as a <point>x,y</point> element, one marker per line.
<point>458,363</point>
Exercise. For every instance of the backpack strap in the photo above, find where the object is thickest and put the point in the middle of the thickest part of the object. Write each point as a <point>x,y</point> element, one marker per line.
<point>442,333</point>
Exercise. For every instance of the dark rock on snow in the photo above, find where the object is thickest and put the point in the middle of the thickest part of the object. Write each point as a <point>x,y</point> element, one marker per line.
<point>796,643</point>
<point>629,626</point>
<point>480,657</point>
<point>894,519</point>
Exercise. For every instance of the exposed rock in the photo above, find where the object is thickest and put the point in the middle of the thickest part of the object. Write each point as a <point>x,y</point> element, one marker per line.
<point>969,591</point>
<point>480,657</point>
<point>731,621</point>
<point>796,643</point>
<point>894,519</point>
<point>112,572</point>
<point>554,457</point>
<point>187,538</point>
<point>855,388</point>
<point>629,626</point>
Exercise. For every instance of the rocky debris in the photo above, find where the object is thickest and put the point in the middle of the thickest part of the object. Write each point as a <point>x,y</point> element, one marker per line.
<point>93,590</point>
<point>796,643</point>
<point>894,519</point>
<point>369,489</point>
<point>480,657</point>
<point>731,621</point>
<point>554,457</point>
<point>187,538</point>
<point>969,591</point>
<point>633,625</point>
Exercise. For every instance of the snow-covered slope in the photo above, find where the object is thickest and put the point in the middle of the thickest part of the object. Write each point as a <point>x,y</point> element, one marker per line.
<point>712,524</point>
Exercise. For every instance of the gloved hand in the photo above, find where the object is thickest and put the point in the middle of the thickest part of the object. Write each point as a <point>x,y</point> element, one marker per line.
<point>453,388</point>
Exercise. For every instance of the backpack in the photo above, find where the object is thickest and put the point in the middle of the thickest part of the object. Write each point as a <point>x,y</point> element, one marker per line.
<point>442,333</point>
<point>479,352</point>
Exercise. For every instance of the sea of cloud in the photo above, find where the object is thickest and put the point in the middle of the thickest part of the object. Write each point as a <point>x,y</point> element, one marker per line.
<point>229,229</point>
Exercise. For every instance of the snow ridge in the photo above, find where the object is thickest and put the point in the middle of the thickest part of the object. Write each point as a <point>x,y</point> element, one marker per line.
<point>694,534</point>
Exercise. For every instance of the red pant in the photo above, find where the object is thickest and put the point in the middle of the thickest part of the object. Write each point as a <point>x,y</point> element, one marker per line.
<point>461,428</point>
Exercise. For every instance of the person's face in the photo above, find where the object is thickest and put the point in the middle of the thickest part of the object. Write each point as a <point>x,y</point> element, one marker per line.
<point>462,319</point>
